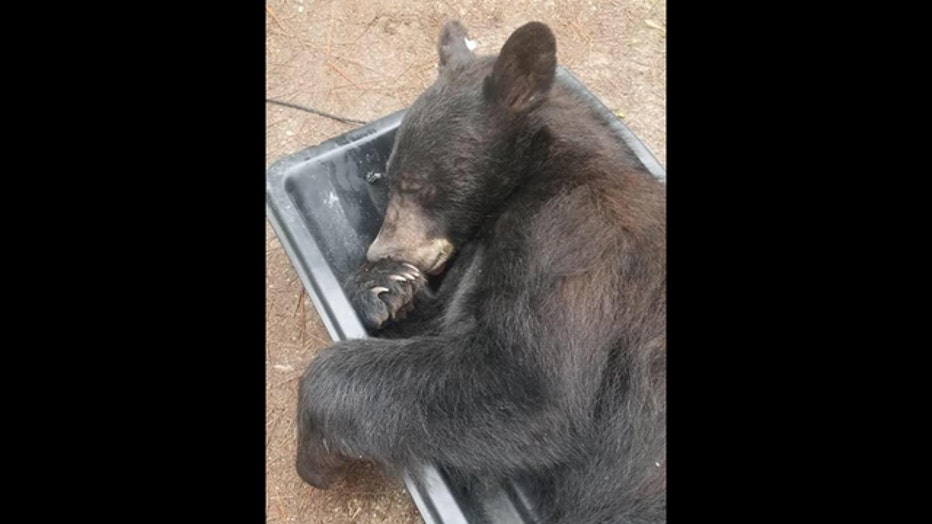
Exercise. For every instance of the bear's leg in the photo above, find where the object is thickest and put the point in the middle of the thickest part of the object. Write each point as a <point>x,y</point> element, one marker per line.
<point>455,400</point>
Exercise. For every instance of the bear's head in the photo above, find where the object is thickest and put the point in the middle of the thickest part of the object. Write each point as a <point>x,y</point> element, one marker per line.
<point>464,145</point>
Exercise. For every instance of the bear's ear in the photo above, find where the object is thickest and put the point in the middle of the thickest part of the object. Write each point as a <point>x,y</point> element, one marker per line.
<point>451,45</point>
<point>524,70</point>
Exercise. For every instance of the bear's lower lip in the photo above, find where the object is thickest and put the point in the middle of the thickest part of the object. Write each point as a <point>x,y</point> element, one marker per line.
<point>438,265</point>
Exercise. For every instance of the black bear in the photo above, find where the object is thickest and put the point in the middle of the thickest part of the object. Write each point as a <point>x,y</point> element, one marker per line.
<point>541,353</point>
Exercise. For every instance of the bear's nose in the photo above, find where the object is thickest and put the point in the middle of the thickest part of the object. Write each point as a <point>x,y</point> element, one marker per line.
<point>379,250</point>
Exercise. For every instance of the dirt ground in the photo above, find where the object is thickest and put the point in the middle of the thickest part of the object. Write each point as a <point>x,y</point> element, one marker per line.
<point>363,59</point>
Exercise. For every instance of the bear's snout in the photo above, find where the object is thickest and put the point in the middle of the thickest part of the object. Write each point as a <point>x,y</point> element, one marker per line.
<point>429,255</point>
<point>408,234</point>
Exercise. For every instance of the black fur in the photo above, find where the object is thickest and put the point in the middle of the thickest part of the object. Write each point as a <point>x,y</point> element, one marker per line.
<point>543,352</point>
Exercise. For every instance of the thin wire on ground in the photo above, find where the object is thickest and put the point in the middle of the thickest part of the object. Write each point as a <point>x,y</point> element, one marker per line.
<point>316,112</point>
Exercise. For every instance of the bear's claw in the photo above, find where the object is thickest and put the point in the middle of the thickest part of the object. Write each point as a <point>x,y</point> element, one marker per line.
<point>383,291</point>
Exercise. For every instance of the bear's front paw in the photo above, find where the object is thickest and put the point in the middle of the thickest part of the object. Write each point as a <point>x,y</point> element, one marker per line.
<point>318,466</point>
<point>384,291</point>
